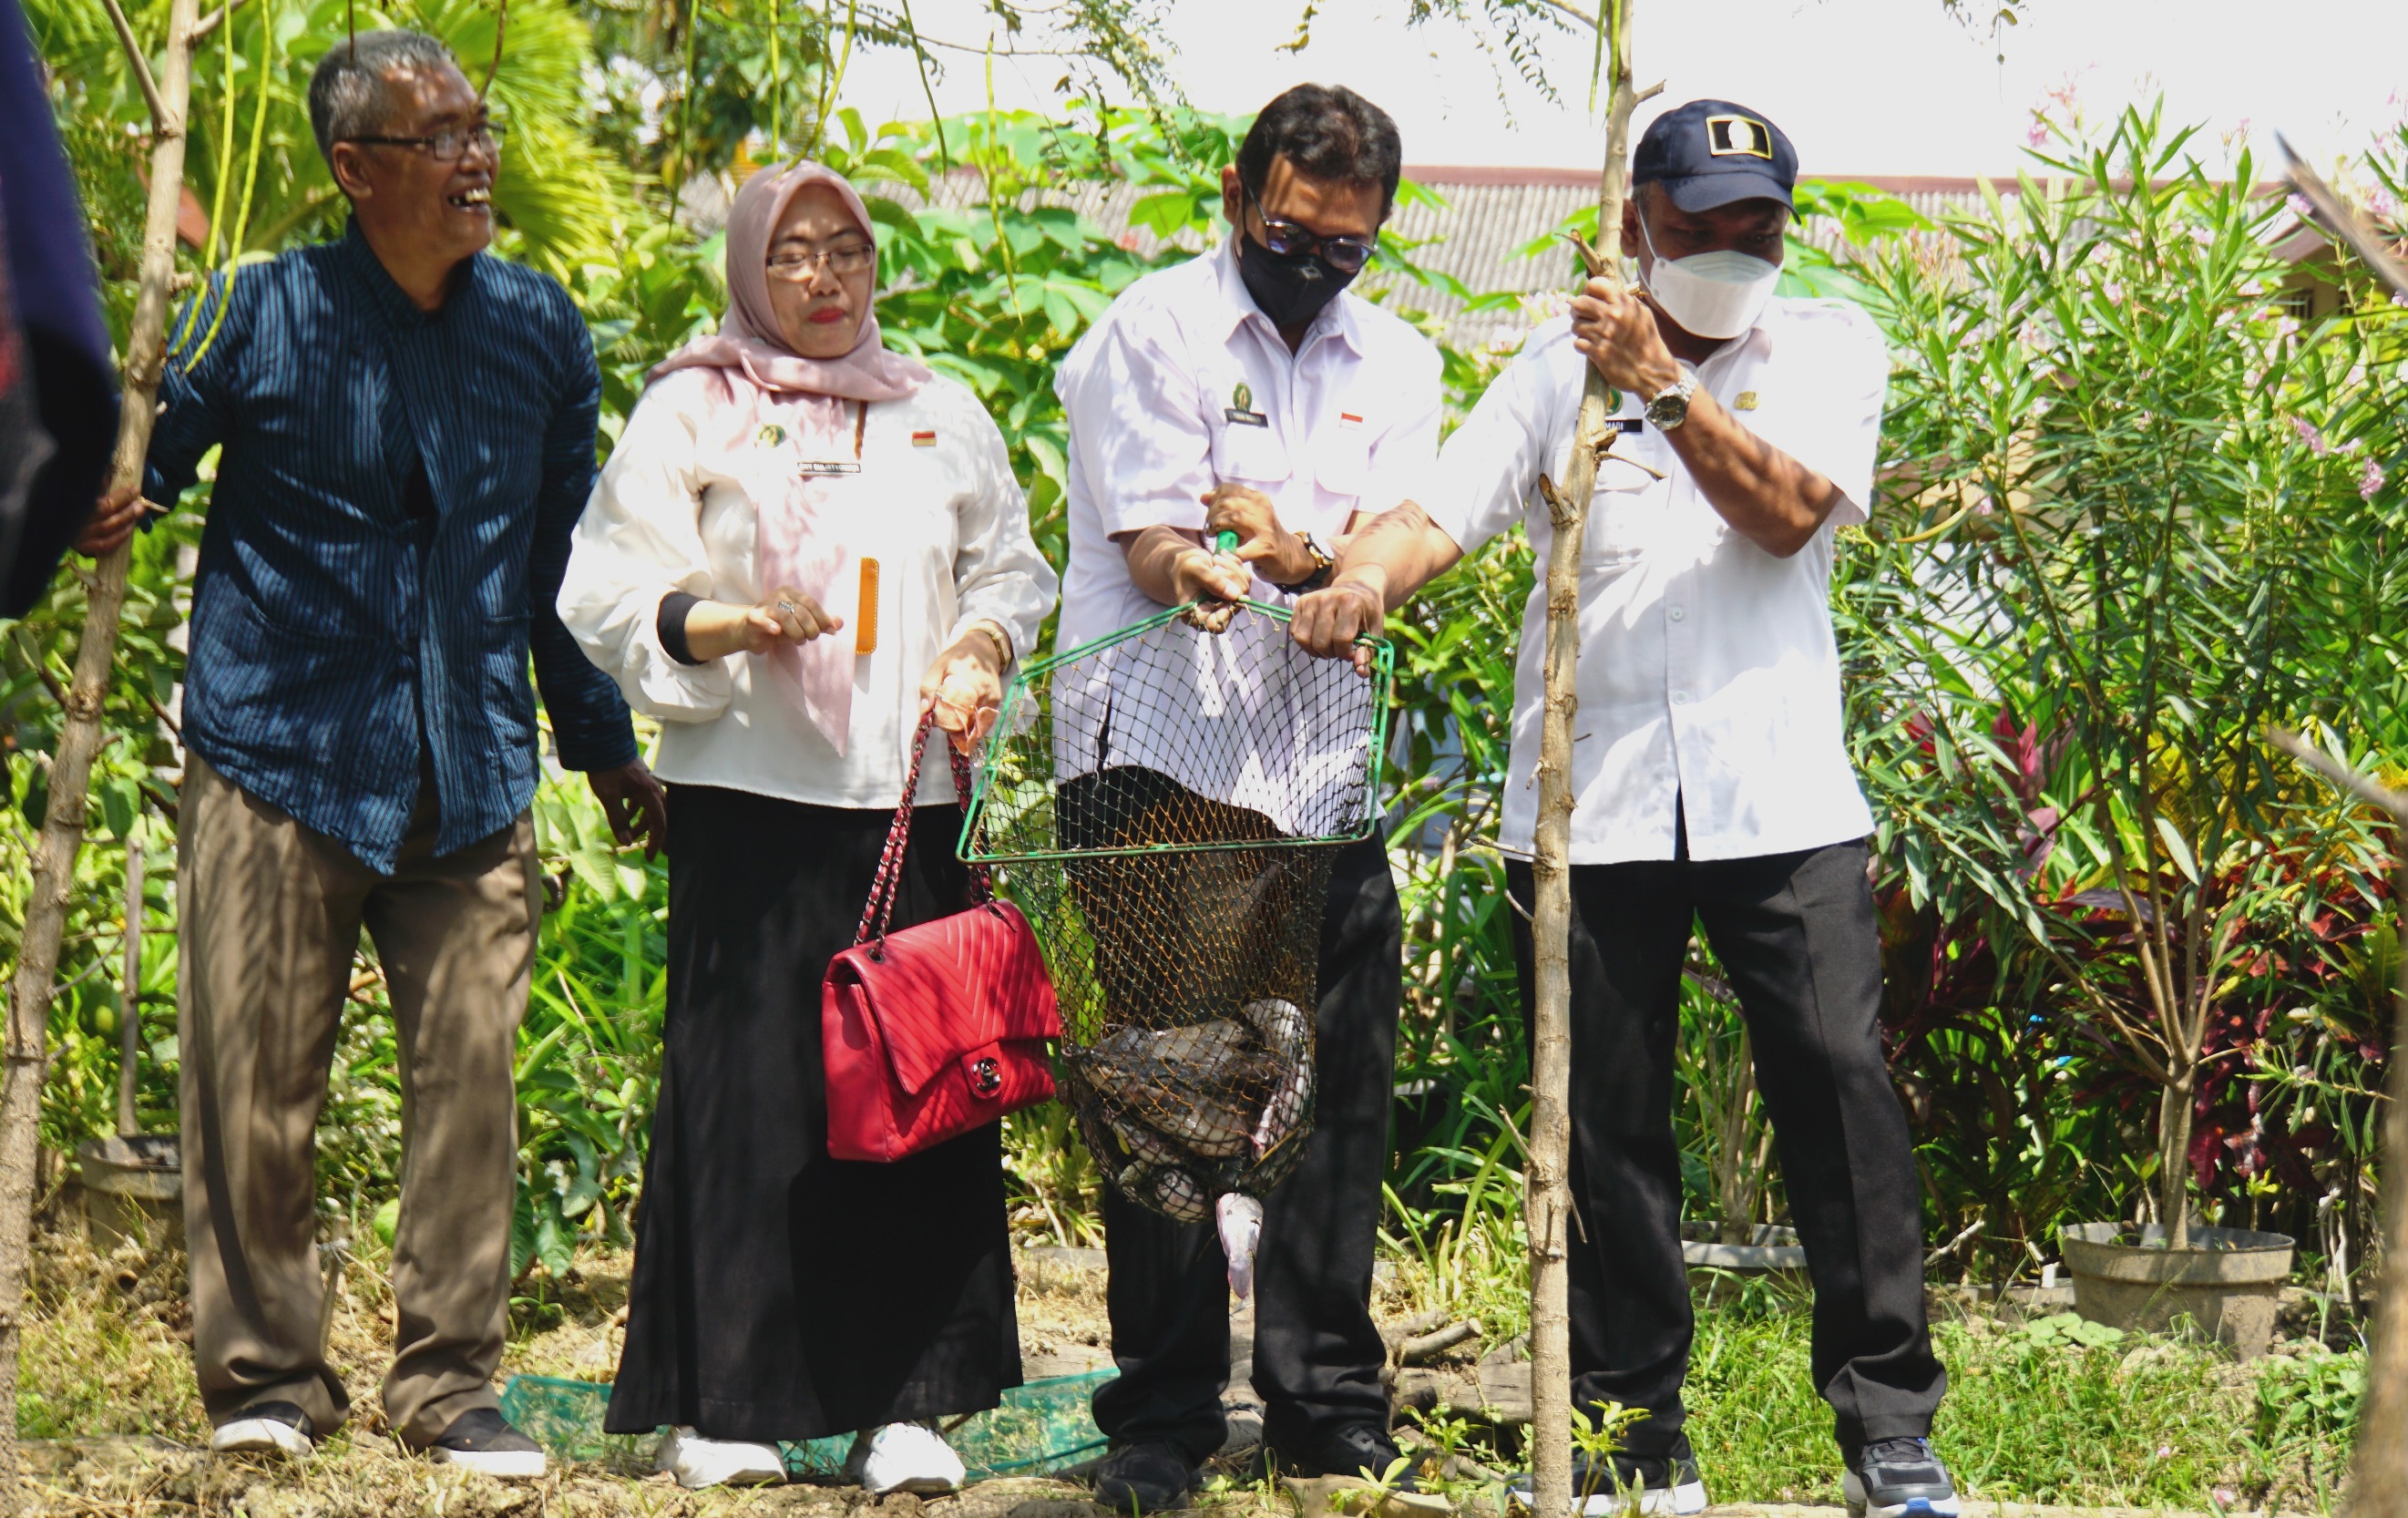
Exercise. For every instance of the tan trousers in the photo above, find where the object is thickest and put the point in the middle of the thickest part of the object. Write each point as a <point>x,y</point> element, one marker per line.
<point>271,913</point>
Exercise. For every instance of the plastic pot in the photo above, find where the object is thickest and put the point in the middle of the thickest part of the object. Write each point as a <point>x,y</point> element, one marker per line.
<point>133,1188</point>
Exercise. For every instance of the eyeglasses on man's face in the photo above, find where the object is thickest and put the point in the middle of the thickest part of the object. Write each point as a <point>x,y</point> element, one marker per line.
<point>845,258</point>
<point>449,145</point>
<point>1347,255</point>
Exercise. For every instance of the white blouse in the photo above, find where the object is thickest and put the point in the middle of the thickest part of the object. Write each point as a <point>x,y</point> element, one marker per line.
<point>935,504</point>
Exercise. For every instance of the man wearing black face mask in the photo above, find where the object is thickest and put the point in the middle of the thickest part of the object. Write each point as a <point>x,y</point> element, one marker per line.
<point>1246,391</point>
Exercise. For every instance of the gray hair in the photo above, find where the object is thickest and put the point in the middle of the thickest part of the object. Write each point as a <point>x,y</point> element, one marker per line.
<point>350,94</point>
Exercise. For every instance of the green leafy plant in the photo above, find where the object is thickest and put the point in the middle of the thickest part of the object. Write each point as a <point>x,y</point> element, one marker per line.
<point>2109,529</point>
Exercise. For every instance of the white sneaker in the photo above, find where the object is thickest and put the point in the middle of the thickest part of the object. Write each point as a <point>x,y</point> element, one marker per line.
<point>265,1428</point>
<point>697,1462</point>
<point>904,1457</point>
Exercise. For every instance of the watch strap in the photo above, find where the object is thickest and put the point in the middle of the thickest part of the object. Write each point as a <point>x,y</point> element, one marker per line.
<point>1324,565</point>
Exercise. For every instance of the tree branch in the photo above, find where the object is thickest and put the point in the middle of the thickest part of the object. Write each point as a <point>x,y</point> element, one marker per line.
<point>142,64</point>
<point>216,18</point>
<point>2341,775</point>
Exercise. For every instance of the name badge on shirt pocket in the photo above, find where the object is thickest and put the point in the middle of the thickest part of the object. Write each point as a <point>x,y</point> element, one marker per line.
<point>1240,410</point>
<point>814,467</point>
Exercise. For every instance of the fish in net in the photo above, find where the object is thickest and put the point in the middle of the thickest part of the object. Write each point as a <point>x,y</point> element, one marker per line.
<point>1163,803</point>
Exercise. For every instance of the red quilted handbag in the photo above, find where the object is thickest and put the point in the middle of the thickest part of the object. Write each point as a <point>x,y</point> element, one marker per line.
<point>936,1029</point>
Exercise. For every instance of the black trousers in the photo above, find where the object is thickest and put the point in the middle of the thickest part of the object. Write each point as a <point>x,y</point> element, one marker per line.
<point>1797,935</point>
<point>1317,1353</point>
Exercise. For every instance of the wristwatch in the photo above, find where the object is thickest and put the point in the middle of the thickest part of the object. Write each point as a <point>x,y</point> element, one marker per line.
<point>1669,407</point>
<point>1322,563</point>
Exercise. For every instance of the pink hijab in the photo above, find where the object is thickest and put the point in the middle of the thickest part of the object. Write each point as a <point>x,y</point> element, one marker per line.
<point>801,520</point>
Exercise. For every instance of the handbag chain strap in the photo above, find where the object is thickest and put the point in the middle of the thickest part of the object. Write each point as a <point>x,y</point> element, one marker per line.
<point>888,883</point>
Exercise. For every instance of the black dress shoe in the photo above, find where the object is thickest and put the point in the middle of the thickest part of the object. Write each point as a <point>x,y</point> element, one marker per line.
<point>1355,1449</point>
<point>1144,1478</point>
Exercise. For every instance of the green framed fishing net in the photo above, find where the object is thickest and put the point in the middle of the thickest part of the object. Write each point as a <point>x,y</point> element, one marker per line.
<point>1163,803</point>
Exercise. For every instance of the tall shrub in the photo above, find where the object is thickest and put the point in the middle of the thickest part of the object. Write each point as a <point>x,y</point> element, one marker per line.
<point>2106,556</point>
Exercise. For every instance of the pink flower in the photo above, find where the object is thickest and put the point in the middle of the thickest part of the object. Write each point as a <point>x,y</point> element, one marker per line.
<point>2370,482</point>
<point>2036,135</point>
<point>2300,209</point>
<point>2308,435</point>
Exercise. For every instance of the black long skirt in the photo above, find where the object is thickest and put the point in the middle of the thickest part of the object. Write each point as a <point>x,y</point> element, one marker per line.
<point>779,1293</point>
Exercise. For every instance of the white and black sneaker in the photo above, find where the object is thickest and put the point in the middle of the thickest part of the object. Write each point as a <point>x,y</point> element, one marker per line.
<point>482,1440</point>
<point>1898,1478</point>
<point>1657,1486</point>
<point>264,1428</point>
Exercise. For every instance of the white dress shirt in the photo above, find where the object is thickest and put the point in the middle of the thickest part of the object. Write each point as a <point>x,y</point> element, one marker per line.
<point>1709,677</point>
<point>1349,422</point>
<point>1184,384</point>
<point>934,503</point>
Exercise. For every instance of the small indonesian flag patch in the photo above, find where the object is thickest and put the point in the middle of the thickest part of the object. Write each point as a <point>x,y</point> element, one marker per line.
<point>923,439</point>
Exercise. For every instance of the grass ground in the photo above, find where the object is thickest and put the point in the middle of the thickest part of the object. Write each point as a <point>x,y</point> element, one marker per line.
<point>2037,1412</point>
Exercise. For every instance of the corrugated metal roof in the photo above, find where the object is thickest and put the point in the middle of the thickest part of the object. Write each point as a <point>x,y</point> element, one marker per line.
<point>1489,216</point>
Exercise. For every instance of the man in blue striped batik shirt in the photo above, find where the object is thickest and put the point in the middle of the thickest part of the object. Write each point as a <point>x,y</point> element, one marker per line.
<point>406,432</point>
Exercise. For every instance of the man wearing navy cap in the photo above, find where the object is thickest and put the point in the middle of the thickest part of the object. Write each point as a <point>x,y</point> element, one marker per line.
<point>1711,779</point>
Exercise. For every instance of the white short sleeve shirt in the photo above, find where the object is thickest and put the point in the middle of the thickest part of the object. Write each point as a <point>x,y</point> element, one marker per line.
<point>1709,677</point>
<point>1184,384</point>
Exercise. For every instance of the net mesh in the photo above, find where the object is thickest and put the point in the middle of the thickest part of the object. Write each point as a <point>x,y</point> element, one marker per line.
<point>1163,803</point>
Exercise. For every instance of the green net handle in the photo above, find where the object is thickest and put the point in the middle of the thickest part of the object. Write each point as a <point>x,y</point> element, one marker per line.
<point>1382,675</point>
<point>1225,542</point>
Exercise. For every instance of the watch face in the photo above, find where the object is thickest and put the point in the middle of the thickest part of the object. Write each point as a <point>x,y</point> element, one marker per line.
<point>1668,410</point>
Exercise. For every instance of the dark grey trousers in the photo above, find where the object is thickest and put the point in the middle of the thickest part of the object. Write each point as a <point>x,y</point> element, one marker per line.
<point>1318,1353</point>
<point>1797,935</point>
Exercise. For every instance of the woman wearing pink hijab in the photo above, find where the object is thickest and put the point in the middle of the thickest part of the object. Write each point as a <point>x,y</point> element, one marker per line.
<point>802,542</point>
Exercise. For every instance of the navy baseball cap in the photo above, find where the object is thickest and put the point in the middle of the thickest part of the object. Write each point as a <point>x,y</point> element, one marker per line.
<point>1712,152</point>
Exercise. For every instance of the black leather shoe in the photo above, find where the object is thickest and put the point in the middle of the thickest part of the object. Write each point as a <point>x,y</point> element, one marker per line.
<point>1144,1478</point>
<point>1355,1449</point>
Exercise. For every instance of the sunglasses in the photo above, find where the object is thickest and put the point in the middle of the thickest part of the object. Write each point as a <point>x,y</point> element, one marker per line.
<point>1347,255</point>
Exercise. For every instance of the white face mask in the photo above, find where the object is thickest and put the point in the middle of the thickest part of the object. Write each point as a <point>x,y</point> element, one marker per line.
<point>1717,295</point>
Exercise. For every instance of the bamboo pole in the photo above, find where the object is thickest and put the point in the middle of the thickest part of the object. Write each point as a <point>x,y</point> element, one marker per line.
<point>1547,1209</point>
<point>80,736</point>
<point>2378,1475</point>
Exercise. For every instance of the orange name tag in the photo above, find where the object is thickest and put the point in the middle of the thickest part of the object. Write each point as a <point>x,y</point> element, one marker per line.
<point>865,622</point>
